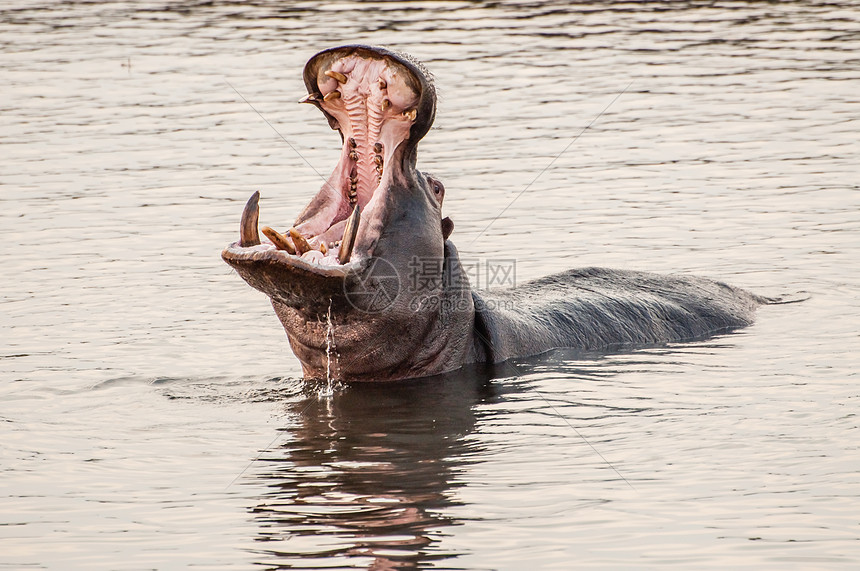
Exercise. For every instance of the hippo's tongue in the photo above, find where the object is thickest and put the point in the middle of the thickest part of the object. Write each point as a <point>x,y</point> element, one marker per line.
<point>373,98</point>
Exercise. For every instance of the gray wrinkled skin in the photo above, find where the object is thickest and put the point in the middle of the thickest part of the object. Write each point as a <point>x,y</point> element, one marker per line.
<point>446,325</point>
<point>598,308</point>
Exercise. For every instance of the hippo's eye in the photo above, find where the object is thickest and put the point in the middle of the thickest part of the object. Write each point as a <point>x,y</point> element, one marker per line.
<point>437,188</point>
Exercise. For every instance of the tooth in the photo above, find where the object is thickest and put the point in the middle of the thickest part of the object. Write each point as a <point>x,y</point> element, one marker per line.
<point>377,148</point>
<point>331,95</point>
<point>377,159</point>
<point>302,245</point>
<point>279,240</point>
<point>352,143</point>
<point>350,231</point>
<point>411,114</point>
<point>341,78</point>
<point>353,174</point>
<point>382,84</point>
<point>248,234</point>
<point>309,98</point>
<point>323,248</point>
<point>385,104</point>
<point>353,156</point>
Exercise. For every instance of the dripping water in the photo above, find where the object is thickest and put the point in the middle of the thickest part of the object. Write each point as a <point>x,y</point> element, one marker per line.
<point>329,344</point>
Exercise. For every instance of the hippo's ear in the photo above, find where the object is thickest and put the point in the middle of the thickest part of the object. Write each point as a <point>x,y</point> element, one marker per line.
<point>447,227</point>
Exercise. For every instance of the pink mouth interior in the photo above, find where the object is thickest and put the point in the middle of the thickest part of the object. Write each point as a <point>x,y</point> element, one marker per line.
<point>373,101</point>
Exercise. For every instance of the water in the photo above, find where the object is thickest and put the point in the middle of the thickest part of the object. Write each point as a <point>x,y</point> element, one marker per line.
<point>152,415</point>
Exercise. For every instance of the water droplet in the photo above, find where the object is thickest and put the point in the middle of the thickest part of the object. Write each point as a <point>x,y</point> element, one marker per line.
<point>329,344</point>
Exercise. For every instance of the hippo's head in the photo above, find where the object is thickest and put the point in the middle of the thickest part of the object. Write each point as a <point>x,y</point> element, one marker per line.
<point>364,281</point>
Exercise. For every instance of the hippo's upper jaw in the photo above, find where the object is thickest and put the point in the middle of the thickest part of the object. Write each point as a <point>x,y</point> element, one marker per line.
<point>374,206</point>
<point>382,104</point>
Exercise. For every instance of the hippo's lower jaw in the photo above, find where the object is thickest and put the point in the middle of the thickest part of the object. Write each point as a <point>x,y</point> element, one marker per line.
<point>368,288</point>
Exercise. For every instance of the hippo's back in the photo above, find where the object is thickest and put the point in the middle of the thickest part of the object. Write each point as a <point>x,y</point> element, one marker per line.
<point>594,308</point>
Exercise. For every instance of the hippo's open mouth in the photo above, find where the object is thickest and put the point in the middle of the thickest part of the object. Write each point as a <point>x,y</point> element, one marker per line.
<point>381,103</point>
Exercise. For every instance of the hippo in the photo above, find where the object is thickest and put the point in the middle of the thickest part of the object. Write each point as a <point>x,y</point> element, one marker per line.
<point>369,287</point>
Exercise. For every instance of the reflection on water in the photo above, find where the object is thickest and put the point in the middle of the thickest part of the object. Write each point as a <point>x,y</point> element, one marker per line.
<point>370,472</point>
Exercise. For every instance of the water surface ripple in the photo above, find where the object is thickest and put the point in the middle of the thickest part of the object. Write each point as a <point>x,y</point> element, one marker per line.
<point>152,416</point>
